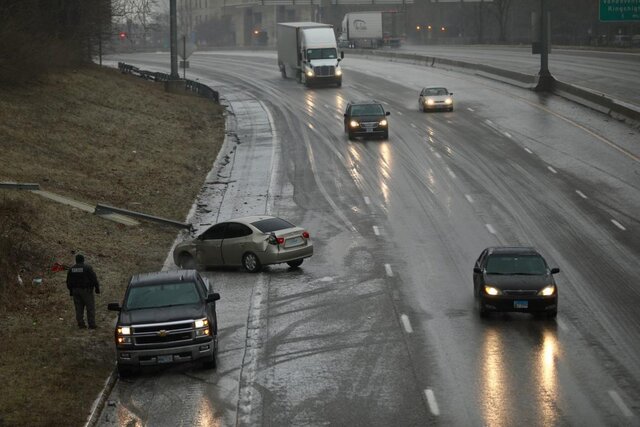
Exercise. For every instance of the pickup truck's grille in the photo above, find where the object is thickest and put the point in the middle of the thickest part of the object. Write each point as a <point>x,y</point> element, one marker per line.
<point>162,333</point>
<point>325,71</point>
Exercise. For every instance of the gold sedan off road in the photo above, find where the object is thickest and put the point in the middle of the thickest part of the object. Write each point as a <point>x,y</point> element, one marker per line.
<point>250,242</point>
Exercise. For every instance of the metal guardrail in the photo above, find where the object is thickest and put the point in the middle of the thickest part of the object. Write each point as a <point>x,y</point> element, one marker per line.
<point>105,209</point>
<point>20,185</point>
<point>190,85</point>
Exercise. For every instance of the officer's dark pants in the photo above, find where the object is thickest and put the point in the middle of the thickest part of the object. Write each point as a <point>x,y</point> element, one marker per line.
<point>83,297</point>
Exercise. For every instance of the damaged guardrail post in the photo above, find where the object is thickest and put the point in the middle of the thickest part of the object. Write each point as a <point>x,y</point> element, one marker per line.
<point>105,209</point>
<point>20,185</point>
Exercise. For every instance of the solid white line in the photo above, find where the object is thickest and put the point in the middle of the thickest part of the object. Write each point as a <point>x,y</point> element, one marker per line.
<point>451,174</point>
<point>376,230</point>
<point>438,155</point>
<point>469,198</point>
<point>552,169</point>
<point>616,398</point>
<point>470,109</point>
<point>562,325</point>
<point>507,134</point>
<point>581,194</point>
<point>490,228</point>
<point>527,150</point>
<point>367,200</point>
<point>431,400</point>
<point>387,268</point>
<point>413,126</point>
<point>406,323</point>
<point>617,224</point>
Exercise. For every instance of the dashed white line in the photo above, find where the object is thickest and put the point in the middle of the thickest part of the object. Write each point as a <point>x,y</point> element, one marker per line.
<point>385,102</point>
<point>310,125</point>
<point>527,150</point>
<point>618,400</point>
<point>507,134</point>
<point>413,126</point>
<point>617,224</point>
<point>451,174</point>
<point>581,194</point>
<point>387,268</point>
<point>405,322</point>
<point>338,117</point>
<point>431,400</point>
<point>469,198</point>
<point>489,122</point>
<point>470,109</point>
<point>367,200</point>
<point>376,230</point>
<point>399,113</point>
<point>438,155</point>
<point>552,169</point>
<point>490,228</point>
<point>327,106</point>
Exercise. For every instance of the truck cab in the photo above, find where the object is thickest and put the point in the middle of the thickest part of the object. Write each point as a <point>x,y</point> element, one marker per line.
<point>320,60</point>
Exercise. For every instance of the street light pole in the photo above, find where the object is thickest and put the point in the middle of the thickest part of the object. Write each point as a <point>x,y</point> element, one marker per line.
<point>174,40</point>
<point>545,79</point>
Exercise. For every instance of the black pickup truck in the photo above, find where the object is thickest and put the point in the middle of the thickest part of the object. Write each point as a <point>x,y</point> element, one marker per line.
<point>166,317</point>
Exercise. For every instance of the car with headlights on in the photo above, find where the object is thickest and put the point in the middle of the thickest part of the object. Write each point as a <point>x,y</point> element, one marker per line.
<point>435,98</point>
<point>367,119</point>
<point>514,279</point>
<point>166,317</point>
<point>250,242</point>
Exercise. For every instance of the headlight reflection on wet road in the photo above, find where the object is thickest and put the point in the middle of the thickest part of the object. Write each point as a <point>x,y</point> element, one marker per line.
<point>494,391</point>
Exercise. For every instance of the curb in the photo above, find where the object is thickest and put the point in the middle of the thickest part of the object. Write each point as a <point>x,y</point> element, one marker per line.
<point>98,404</point>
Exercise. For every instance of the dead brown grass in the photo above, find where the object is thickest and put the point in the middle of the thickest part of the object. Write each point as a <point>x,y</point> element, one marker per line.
<point>96,136</point>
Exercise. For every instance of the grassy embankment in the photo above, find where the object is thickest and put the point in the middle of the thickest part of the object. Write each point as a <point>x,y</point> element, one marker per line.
<point>99,137</point>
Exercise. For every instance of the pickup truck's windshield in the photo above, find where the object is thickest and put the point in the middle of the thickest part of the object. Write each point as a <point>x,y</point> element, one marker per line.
<point>162,295</point>
<point>326,53</point>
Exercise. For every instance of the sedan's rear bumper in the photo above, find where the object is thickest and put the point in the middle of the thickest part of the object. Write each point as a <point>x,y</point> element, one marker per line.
<point>277,254</point>
<point>534,304</point>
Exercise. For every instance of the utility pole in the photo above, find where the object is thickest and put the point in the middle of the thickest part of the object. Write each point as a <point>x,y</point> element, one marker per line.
<point>545,79</point>
<point>174,40</point>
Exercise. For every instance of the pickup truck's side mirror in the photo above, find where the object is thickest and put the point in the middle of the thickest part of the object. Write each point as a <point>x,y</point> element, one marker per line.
<point>342,54</point>
<point>345,114</point>
<point>213,297</point>
<point>477,270</point>
<point>114,306</point>
<point>555,270</point>
<point>388,113</point>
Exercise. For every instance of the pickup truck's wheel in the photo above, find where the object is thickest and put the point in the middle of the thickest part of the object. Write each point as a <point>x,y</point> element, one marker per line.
<point>295,263</point>
<point>186,261</point>
<point>210,362</point>
<point>124,371</point>
<point>251,262</point>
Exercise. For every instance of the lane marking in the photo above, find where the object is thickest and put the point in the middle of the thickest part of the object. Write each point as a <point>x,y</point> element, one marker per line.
<point>451,174</point>
<point>438,155</point>
<point>617,224</point>
<point>470,109</point>
<point>338,117</point>
<point>310,125</point>
<point>489,122</point>
<point>507,134</point>
<point>376,230</point>
<point>367,200</point>
<point>469,198</point>
<point>562,325</point>
<point>399,113</point>
<point>618,400</point>
<point>527,150</point>
<point>431,400</point>
<point>406,323</point>
<point>413,126</point>
<point>387,268</point>
<point>552,169</point>
<point>581,194</point>
<point>327,106</point>
<point>490,228</point>
<point>385,102</point>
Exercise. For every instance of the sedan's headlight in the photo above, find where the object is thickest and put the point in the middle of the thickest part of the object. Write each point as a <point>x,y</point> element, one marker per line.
<point>548,291</point>
<point>490,290</point>
<point>383,122</point>
<point>201,323</point>
<point>430,102</point>
<point>124,330</point>
<point>338,72</point>
<point>448,101</point>
<point>354,124</point>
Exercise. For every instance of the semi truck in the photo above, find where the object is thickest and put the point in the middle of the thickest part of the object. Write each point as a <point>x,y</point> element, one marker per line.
<point>308,52</point>
<point>372,29</point>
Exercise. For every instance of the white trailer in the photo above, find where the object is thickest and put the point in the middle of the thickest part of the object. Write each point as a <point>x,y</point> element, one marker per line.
<point>371,29</point>
<point>308,51</point>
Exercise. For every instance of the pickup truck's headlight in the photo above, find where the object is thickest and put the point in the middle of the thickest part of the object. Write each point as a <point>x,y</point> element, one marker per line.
<point>338,72</point>
<point>548,291</point>
<point>354,124</point>
<point>383,122</point>
<point>309,73</point>
<point>124,340</point>
<point>490,290</point>
<point>124,330</point>
<point>201,323</point>
<point>203,332</point>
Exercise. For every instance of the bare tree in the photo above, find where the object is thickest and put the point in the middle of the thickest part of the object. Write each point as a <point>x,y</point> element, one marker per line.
<point>501,11</point>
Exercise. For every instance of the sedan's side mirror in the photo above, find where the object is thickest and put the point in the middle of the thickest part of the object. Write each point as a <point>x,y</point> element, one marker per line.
<point>213,297</point>
<point>477,270</point>
<point>342,54</point>
<point>345,114</point>
<point>114,306</point>
<point>388,113</point>
<point>451,94</point>
<point>555,270</point>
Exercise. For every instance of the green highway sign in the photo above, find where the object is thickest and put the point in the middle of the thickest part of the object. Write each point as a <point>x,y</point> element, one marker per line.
<point>619,10</point>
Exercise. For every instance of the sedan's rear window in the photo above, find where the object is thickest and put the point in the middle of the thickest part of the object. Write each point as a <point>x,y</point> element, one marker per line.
<point>516,264</point>
<point>272,224</point>
<point>162,295</point>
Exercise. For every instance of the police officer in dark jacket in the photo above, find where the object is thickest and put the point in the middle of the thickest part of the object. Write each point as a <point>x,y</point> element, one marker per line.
<point>82,281</point>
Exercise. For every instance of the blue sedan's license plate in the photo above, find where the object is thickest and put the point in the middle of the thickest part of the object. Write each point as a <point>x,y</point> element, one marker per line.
<point>165,359</point>
<point>521,304</point>
<point>295,241</point>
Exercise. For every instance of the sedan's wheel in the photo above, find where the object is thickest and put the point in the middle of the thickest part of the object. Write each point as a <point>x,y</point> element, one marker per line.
<point>350,136</point>
<point>251,263</point>
<point>483,312</point>
<point>186,261</point>
<point>552,314</point>
<point>295,263</point>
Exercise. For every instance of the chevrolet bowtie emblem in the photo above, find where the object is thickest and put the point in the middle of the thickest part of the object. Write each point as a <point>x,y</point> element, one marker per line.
<point>162,333</point>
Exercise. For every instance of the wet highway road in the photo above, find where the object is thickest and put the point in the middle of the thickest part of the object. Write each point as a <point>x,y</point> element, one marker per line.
<point>378,327</point>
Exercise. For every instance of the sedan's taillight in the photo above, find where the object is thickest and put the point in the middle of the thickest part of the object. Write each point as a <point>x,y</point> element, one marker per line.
<point>280,240</point>
<point>305,234</point>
